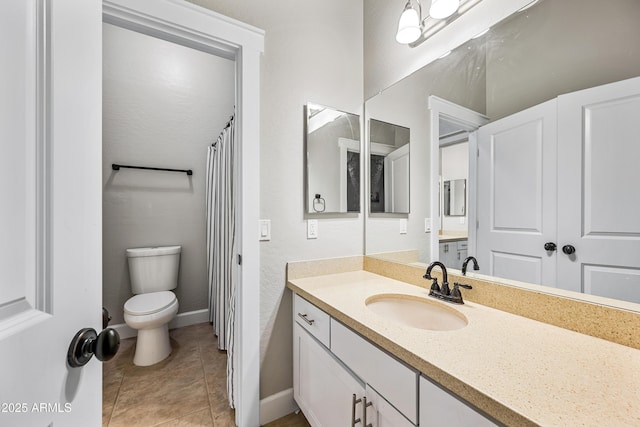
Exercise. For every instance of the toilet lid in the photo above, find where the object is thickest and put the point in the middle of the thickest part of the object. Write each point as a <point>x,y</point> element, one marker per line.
<point>149,303</point>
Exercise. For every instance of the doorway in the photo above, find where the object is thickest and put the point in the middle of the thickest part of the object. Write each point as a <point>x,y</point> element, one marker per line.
<point>188,25</point>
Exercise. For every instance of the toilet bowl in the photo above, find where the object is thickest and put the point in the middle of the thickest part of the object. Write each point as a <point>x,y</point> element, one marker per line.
<point>154,273</point>
<point>150,314</point>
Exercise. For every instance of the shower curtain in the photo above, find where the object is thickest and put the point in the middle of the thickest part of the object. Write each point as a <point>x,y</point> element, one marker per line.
<point>221,244</point>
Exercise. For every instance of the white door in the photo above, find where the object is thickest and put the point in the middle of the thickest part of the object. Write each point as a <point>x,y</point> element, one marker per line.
<point>50,209</point>
<point>323,388</point>
<point>516,195</point>
<point>598,193</point>
<point>396,171</point>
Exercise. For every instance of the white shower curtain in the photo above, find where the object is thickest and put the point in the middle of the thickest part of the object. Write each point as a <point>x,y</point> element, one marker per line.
<point>221,244</point>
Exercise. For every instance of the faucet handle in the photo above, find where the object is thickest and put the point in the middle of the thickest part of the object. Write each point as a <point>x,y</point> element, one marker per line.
<point>456,295</point>
<point>462,285</point>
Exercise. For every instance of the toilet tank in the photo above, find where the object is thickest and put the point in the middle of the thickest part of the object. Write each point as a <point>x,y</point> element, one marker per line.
<point>153,269</point>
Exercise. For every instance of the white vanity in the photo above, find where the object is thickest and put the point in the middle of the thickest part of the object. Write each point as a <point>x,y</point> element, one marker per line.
<point>355,366</point>
<point>341,377</point>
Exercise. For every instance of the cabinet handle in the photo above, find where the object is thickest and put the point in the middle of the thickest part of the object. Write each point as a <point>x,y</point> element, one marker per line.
<point>304,317</point>
<point>365,405</point>
<point>354,402</point>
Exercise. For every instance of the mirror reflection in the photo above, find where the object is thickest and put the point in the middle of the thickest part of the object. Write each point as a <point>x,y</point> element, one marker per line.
<point>389,167</point>
<point>455,194</point>
<point>332,169</point>
<point>532,57</point>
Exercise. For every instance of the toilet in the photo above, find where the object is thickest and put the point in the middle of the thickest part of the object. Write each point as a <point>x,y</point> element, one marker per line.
<point>154,273</point>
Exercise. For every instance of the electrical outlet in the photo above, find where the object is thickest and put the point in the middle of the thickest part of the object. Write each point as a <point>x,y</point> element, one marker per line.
<point>312,229</point>
<point>264,232</point>
<point>427,225</point>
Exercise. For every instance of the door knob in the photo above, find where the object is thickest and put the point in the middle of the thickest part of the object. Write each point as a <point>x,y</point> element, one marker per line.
<point>568,249</point>
<point>87,342</point>
<point>550,246</point>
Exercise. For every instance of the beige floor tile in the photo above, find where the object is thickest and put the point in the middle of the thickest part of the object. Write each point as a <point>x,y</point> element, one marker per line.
<point>186,389</point>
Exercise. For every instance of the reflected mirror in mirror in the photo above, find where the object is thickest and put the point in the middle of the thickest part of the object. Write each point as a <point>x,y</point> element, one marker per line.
<point>533,56</point>
<point>389,167</point>
<point>455,193</point>
<point>332,171</point>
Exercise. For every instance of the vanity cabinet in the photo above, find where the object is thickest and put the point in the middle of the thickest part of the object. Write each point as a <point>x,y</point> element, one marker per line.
<point>323,388</point>
<point>452,254</point>
<point>326,378</point>
<point>440,408</point>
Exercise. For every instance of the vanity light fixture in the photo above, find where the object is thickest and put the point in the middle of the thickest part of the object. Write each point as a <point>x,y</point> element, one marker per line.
<point>413,29</point>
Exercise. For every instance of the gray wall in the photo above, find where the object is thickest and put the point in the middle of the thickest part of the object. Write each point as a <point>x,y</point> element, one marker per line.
<point>163,104</point>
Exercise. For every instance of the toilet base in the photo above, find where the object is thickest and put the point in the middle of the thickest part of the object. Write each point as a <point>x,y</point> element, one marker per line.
<point>152,346</point>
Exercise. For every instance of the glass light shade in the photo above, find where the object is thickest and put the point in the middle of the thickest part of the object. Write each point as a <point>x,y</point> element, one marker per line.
<point>408,27</point>
<point>441,9</point>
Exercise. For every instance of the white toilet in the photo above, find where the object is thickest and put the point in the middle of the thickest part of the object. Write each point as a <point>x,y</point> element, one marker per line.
<point>153,273</point>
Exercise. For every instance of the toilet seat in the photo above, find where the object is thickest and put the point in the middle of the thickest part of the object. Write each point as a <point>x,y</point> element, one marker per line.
<point>153,302</point>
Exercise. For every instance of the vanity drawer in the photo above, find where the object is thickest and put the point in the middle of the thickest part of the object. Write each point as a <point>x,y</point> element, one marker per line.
<point>394,380</point>
<point>311,318</point>
<point>462,245</point>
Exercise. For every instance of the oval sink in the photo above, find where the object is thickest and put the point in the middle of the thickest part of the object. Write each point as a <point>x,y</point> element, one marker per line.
<point>416,312</point>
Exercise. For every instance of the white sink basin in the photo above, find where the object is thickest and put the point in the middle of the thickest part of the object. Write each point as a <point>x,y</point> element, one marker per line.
<point>416,312</point>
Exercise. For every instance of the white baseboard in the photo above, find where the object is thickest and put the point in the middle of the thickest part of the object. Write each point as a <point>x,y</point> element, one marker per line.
<point>277,406</point>
<point>181,320</point>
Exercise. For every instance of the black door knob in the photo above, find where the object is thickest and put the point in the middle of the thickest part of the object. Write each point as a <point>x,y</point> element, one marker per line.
<point>86,343</point>
<point>568,249</point>
<point>550,246</point>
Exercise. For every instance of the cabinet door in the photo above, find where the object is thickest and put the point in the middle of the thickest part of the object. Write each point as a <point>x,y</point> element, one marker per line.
<point>516,200</point>
<point>323,388</point>
<point>381,413</point>
<point>598,196</point>
<point>439,408</point>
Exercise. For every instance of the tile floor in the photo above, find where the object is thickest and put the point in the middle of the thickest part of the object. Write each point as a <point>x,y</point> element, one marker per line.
<point>186,389</point>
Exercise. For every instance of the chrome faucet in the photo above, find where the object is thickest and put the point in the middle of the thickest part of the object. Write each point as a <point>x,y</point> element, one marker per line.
<point>466,261</point>
<point>444,293</point>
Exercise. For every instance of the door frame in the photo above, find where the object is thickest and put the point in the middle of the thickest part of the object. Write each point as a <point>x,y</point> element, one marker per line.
<point>193,26</point>
<point>437,107</point>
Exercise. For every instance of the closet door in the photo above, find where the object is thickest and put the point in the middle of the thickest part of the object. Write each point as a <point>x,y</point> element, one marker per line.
<point>598,190</point>
<point>516,198</point>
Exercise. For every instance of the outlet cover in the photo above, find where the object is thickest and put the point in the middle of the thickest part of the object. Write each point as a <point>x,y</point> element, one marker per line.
<point>312,229</point>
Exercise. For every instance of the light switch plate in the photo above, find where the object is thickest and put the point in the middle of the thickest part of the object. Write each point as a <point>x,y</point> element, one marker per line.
<point>427,225</point>
<point>264,229</point>
<point>403,226</point>
<point>312,229</point>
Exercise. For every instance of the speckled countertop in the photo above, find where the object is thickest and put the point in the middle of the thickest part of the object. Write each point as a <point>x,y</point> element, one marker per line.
<point>520,371</point>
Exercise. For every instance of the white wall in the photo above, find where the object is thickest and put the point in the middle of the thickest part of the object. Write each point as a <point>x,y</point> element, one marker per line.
<point>163,105</point>
<point>313,53</point>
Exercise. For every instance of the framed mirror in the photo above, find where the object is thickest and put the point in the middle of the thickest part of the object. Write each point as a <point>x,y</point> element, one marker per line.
<point>533,56</point>
<point>332,162</point>
<point>389,167</point>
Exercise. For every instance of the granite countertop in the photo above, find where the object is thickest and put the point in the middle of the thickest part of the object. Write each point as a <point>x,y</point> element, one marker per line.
<point>451,236</point>
<point>520,371</point>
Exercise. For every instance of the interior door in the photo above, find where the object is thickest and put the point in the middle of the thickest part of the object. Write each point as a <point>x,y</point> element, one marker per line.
<point>50,209</point>
<point>516,195</point>
<point>396,167</point>
<point>598,195</point>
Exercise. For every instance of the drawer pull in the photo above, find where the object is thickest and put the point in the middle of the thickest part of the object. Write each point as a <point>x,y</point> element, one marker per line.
<point>354,402</point>
<point>304,317</point>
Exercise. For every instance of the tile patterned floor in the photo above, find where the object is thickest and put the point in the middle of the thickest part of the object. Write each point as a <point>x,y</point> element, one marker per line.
<point>186,389</point>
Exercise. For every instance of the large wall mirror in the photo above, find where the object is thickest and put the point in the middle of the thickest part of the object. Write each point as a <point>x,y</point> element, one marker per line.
<point>332,171</point>
<point>539,54</point>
